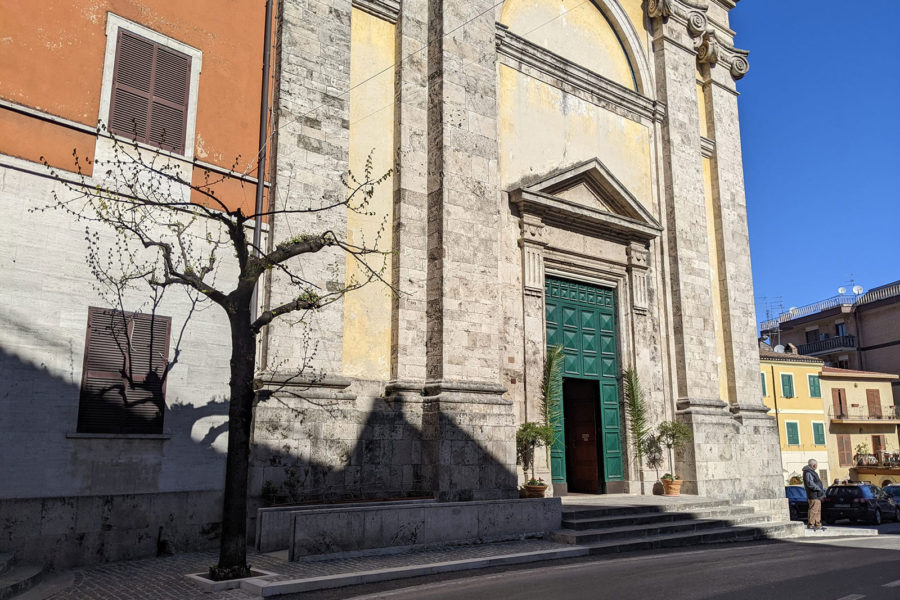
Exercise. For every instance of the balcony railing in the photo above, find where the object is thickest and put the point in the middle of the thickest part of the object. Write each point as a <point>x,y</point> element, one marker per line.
<point>809,309</point>
<point>861,413</point>
<point>881,293</point>
<point>841,342</point>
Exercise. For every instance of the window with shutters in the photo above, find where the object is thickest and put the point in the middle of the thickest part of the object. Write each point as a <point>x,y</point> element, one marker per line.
<point>787,385</point>
<point>845,452</point>
<point>123,382</point>
<point>839,402</point>
<point>150,89</point>
<point>762,379</point>
<point>873,400</point>
<point>792,432</point>
<point>818,433</point>
<point>815,388</point>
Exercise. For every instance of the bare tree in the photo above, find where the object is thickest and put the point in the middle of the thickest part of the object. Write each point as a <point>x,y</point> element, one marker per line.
<point>148,227</point>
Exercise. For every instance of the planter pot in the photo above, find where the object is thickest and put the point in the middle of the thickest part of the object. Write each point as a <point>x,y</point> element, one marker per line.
<point>535,491</point>
<point>671,487</point>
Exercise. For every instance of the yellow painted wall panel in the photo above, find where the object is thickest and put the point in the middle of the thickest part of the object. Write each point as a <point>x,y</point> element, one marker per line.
<point>542,129</point>
<point>367,311</point>
<point>575,30</point>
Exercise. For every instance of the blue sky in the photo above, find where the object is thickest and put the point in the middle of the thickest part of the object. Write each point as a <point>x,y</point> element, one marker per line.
<point>820,126</point>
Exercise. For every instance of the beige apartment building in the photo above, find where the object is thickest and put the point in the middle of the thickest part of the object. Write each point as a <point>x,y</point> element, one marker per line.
<point>863,443</point>
<point>848,331</point>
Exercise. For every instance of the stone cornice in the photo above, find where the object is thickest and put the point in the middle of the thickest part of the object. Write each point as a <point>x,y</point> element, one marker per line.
<point>517,52</point>
<point>389,10</point>
<point>710,49</point>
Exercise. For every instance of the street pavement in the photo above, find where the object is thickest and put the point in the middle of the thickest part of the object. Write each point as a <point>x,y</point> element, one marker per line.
<point>824,569</point>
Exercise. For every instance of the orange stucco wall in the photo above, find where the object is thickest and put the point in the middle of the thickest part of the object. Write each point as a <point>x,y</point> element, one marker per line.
<point>53,55</point>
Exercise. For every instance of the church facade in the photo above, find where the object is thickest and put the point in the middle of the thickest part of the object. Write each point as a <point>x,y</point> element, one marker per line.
<point>556,173</point>
<point>562,173</point>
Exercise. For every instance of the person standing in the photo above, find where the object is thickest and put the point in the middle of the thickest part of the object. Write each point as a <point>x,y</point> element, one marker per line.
<point>815,491</point>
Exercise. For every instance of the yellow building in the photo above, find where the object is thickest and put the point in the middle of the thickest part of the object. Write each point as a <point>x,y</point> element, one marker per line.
<point>793,393</point>
<point>863,442</point>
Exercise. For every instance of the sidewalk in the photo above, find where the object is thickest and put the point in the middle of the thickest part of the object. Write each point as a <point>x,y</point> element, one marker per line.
<point>163,578</point>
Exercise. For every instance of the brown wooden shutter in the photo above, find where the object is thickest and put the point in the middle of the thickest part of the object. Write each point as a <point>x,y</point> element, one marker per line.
<point>840,405</point>
<point>845,453</point>
<point>873,399</point>
<point>877,446</point>
<point>123,385</point>
<point>150,92</point>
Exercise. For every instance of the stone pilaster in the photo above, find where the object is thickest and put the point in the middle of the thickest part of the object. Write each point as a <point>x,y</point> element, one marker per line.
<point>686,231</point>
<point>463,233</point>
<point>312,120</point>
<point>738,313</point>
<point>410,197</point>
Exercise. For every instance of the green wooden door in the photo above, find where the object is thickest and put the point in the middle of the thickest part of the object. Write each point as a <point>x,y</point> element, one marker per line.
<point>581,318</point>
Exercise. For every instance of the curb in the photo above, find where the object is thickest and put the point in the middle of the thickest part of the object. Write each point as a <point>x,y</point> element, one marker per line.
<point>277,588</point>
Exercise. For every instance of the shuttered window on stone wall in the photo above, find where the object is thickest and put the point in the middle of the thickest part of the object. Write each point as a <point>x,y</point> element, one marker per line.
<point>845,453</point>
<point>762,379</point>
<point>818,434</point>
<point>123,381</point>
<point>792,430</point>
<point>787,385</point>
<point>149,93</point>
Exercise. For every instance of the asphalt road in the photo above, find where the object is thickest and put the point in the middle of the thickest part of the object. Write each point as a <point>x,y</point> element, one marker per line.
<point>815,568</point>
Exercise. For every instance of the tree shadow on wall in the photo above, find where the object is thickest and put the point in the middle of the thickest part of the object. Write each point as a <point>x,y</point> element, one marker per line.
<point>308,451</point>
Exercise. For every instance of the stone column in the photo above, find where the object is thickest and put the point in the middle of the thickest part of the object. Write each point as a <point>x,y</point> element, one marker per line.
<point>738,313</point>
<point>312,110</point>
<point>410,201</point>
<point>533,243</point>
<point>686,226</point>
<point>470,426</point>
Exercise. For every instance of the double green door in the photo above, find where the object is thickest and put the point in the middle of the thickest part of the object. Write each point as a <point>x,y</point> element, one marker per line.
<point>581,318</point>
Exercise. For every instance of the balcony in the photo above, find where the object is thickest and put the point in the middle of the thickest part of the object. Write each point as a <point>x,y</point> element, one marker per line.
<point>889,415</point>
<point>835,344</point>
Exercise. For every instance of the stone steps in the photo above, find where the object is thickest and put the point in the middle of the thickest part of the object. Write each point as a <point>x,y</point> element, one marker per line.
<point>16,579</point>
<point>587,511</point>
<point>648,525</point>
<point>707,536</point>
<point>588,536</point>
<point>582,523</point>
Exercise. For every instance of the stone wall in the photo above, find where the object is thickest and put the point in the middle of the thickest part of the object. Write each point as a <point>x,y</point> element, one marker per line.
<point>70,531</point>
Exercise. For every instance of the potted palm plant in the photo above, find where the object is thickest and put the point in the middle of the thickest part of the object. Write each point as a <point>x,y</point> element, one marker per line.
<point>530,436</point>
<point>533,435</point>
<point>672,435</point>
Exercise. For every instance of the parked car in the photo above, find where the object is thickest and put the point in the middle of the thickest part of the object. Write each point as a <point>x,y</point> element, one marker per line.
<point>893,491</point>
<point>859,502</point>
<point>798,506</point>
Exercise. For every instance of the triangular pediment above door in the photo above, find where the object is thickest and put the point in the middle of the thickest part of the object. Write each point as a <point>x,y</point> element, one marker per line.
<point>589,196</point>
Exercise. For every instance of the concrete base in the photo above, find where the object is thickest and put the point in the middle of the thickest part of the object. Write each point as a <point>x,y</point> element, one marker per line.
<point>327,531</point>
<point>273,524</point>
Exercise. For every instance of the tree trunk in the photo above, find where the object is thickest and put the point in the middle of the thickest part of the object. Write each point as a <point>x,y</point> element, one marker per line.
<point>233,550</point>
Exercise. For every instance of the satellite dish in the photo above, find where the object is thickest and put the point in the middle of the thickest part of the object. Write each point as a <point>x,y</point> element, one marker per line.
<point>779,349</point>
<point>857,289</point>
<point>842,290</point>
<point>792,309</point>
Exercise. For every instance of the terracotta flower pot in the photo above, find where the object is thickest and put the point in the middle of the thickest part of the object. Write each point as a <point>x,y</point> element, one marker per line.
<point>671,487</point>
<point>535,491</point>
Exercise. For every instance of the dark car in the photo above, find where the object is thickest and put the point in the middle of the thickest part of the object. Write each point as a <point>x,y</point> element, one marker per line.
<point>858,502</point>
<point>797,503</point>
<point>893,491</point>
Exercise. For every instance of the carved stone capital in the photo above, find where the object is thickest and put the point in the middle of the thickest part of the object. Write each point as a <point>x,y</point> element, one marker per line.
<point>711,51</point>
<point>531,228</point>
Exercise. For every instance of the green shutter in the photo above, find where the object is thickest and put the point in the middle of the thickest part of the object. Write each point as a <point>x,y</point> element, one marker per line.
<point>815,389</point>
<point>793,434</point>
<point>787,385</point>
<point>819,434</point>
<point>762,378</point>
